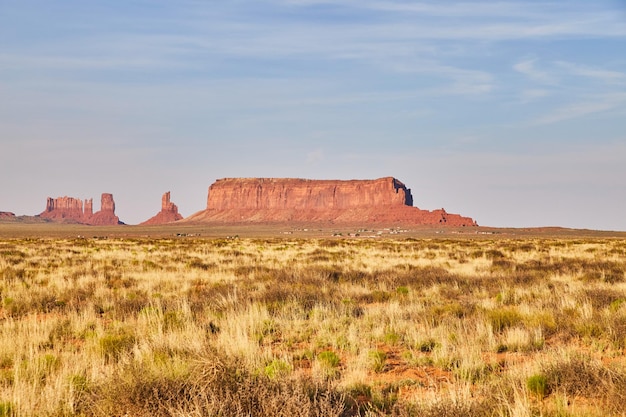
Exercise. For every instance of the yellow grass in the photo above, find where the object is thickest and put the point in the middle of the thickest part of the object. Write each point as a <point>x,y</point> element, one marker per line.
<point>190,326</point>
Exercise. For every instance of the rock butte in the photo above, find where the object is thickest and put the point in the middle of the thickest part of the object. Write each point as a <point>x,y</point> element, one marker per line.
<point>277,200</point>
<point>72,210</point>
<point>168,214</point>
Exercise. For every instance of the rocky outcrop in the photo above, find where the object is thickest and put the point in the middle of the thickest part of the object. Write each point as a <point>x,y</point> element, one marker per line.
<point>168,214</point>
<point>73,210</point>
<point>6,215</point>
<point>381,201</point>
<point>106,216</point>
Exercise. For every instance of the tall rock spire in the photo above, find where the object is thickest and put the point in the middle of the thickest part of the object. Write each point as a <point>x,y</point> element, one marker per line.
<point>168,214</point>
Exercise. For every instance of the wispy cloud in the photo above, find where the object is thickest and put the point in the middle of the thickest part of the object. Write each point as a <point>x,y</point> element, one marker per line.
<point>527,67</point>
<point>487,20</point>
<point>454,80</point>
<point>85,63</point>
<point>593,105</point>
<point>357,31</point>
<point>595,73</point>
<point>513,10</point>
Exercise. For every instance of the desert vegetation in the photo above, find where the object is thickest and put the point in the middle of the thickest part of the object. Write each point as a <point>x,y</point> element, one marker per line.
<point>295,327</point>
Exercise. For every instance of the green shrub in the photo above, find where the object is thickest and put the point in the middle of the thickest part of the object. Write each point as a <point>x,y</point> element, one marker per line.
<point>538,385</point>
<point>616,304</point>
<point>112,346</point>
<point>329,364</point>
<point>402,290</point>
<point>392,337</point>
<point>502,319</point>
<point>49,363</point>
<point>377,360</point>
<point>329,359</point>
<point>7,409</point>
<point>79,382</point>
<point>173,320</point>
<point>276,368</point>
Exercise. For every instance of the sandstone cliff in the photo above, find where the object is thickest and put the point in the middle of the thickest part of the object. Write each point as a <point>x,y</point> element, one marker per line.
<point>286,193</point>
<point>168,214</point>
<point>73,210</point>
<point>381,201</point>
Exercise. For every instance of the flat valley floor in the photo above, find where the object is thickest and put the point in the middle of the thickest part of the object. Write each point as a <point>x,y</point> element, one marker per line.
<point>305,321</point>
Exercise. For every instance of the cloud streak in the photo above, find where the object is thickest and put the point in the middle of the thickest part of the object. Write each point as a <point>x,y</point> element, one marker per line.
<point>599,74</point>
<point>415,28</point>
<point>591,106</point>
<point>527,67</point>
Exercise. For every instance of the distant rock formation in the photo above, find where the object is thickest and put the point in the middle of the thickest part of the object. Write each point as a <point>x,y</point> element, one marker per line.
<point>73,210</point>
<point>168,214</point>
<point>65,209</point>
<point>259,200</point>
<point>6,215</point>
<point>106,216</point>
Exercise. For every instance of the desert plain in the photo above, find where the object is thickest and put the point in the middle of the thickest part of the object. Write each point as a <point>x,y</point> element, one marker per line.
<point>185,320</point>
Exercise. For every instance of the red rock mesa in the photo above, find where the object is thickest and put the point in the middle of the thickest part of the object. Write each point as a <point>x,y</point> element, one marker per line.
<point>381,201</point>
<point>65,209</point>
<point>72,210</point>
<point>168,214</point>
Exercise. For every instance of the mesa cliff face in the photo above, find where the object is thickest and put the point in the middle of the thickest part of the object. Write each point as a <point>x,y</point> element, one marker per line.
<point>381,201</point>
<point>168,214</point>
<point>301,194</point>
<point>65,209</point>
<point>73,210</point>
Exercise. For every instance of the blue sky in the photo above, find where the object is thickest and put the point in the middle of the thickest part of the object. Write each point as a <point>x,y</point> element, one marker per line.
<point>511,112</point>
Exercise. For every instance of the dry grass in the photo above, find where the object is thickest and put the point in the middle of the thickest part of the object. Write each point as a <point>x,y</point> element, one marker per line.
<point>267,327</point>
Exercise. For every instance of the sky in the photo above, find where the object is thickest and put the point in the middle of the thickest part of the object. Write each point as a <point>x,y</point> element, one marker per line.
<point>510,112</point>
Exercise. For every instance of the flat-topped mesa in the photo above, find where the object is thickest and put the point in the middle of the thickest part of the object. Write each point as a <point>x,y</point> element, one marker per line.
<point>255,200</point>
<point>73,210</point>
<point>64,209</point>
<point>300,194</point>
<point>168,214</point>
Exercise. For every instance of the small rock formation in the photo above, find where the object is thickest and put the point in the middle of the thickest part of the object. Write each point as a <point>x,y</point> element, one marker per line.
<point>73,210</point>
<point>168,214</point>
<point>6,215</point>
<point>381,201</point>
